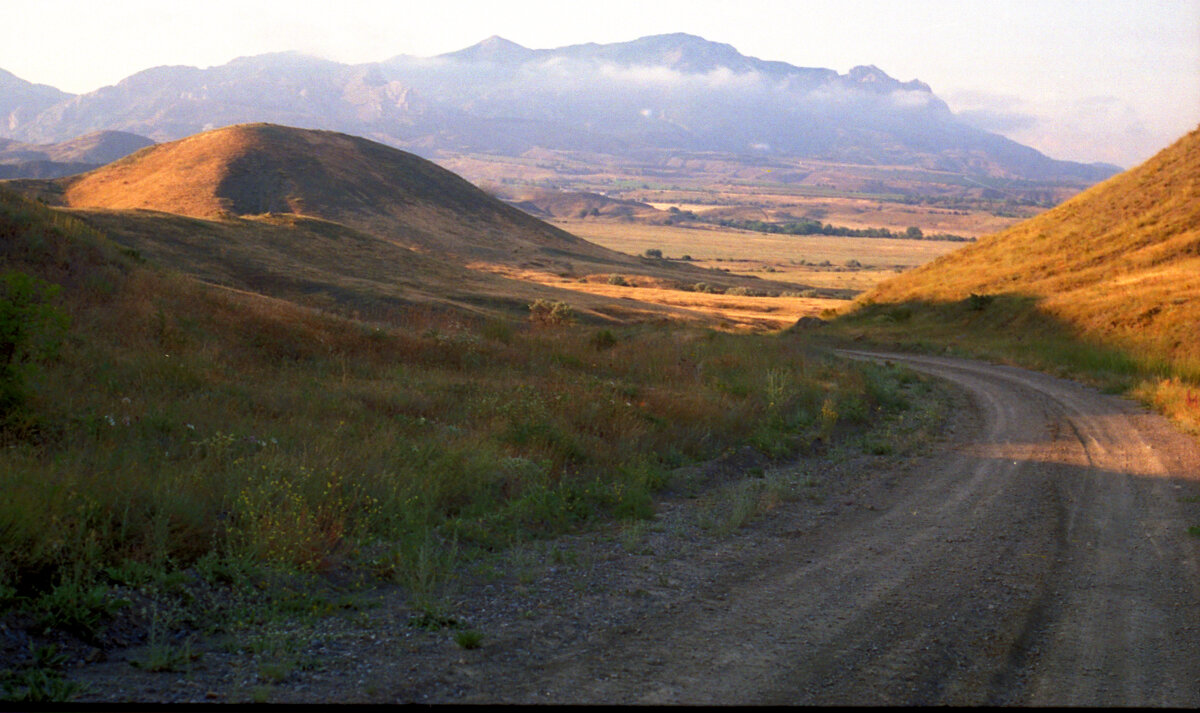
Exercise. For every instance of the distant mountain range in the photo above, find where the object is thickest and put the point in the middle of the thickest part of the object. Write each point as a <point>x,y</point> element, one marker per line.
<point>675,93</point>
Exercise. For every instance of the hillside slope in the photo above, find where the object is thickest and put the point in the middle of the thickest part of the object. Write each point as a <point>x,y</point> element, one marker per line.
<point>340,222</point>
<point>261,168</point>
<point>1120,262</point>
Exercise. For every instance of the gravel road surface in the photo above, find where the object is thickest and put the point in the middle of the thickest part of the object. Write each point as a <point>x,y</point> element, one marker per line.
<point>1042,559</point>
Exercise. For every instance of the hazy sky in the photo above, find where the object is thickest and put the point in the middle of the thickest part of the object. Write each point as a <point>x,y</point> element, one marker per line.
<point>1088,80</point>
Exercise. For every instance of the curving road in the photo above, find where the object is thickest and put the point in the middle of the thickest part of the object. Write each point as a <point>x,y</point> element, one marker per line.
<point>1044,559</point>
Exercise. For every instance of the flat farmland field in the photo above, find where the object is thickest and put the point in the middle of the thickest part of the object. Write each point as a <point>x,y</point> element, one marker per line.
<point>847,212</point>
<point>737,313</point>
<point>807,260</point>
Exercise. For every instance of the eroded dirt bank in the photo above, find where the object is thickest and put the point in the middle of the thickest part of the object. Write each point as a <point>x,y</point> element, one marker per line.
<point>1040,556</point>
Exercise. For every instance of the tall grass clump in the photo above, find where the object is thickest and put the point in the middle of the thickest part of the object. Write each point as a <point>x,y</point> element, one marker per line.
<point>183,426</point>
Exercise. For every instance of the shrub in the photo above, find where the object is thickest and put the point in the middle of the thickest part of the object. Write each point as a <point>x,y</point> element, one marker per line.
<point>654,253</point>
<point>615,279</point>
<point>603,339</point>
<point>550,312</point>
<point>978,303</point>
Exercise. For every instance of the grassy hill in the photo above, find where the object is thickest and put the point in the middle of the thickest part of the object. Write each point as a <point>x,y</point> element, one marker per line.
<point>1108,282</point>
<point>254,169</point>
<point>190,448</point>
<point>339,221</point>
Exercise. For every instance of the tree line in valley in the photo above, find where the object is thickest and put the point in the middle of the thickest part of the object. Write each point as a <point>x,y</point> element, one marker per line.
<point>816,227</point>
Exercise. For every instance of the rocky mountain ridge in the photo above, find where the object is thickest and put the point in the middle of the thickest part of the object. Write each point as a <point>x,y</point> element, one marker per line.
<point>664,93</point>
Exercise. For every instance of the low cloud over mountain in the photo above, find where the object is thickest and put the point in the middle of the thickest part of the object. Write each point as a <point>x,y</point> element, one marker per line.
<point>667,92</point>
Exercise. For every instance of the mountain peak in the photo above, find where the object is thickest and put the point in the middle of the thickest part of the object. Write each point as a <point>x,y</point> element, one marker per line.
<point>493,49</point>
<point>875,79</point>
<point>677,38</point>
<point>869,73</point>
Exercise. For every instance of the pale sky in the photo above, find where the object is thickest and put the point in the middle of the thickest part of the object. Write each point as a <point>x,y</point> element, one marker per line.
<point>1086,80</point>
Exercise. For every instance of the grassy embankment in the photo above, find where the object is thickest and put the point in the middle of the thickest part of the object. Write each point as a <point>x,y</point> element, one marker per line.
<point>1104,288</point>
<point>176,427</point>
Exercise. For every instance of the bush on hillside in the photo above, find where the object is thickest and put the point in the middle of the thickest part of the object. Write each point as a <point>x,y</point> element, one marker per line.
<point>550,312</point>
<point>30,330</point>
<point>978,303</point>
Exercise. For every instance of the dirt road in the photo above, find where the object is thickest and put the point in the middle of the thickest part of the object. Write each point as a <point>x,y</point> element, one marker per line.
<point>1043,560</point>
<point>1040,557</point>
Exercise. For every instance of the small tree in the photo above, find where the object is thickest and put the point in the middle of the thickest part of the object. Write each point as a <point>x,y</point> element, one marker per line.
<point>654,253</point>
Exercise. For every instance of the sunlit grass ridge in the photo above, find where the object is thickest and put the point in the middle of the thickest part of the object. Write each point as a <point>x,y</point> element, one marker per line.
<point>1106,285</point>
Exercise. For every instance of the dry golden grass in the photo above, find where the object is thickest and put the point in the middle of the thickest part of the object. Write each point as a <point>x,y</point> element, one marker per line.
<point>1120,261</point>
<point>239,172</point>
<point>1109,282</point>
<point>183,180</point>
<point>738,313</point>
<point>835,277</point>
<point>255,169</point>
<point>335,268</point>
